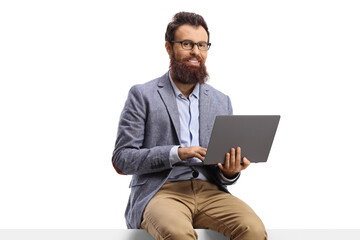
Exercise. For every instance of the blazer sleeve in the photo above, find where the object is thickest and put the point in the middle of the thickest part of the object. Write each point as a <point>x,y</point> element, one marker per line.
<point>129,155</point>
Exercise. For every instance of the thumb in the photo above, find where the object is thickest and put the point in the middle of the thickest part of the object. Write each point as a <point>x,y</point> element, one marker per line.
<point>221,166</point>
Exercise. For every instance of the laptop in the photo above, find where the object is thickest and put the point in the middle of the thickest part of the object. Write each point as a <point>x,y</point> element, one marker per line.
<point>253,133</point>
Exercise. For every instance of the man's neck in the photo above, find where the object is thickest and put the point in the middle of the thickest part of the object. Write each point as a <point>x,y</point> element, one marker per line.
<point>185,89</point>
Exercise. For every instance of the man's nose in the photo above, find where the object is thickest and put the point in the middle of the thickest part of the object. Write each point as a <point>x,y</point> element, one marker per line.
<point>195,50</point>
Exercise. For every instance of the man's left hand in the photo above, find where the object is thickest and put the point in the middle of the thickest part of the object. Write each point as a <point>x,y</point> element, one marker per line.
<point>233,166</point>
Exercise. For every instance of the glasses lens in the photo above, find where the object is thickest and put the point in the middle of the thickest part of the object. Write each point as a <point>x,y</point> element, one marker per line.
<point>188,45</point>
<point>203,46</point>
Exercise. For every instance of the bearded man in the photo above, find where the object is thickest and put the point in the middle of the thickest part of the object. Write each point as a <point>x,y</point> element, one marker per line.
<point>166,123</point>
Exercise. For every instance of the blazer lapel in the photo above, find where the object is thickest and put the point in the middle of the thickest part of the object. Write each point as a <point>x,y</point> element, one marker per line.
<point>204,112</point>
<point>167,95</point>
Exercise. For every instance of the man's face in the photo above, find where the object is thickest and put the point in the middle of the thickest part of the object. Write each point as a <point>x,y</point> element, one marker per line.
<point>188,66</point>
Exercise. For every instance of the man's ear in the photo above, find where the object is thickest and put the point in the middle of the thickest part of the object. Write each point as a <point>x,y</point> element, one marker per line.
<point>168,48</point>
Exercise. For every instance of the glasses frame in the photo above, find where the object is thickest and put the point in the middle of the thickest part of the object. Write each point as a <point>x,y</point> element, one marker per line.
<point>194,43</point>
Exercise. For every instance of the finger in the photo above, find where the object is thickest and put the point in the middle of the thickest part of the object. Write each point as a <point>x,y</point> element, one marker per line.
<point>232,164</point>
<point>227,161</point>
<point>202,152</point>
<point>238,158</point>
<point>200,148</point>
<point>221,167</point>
<point>199,156</point>
<point>246,163</point>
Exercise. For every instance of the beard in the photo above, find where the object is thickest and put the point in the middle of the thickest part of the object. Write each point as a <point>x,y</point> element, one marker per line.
<point>186,74</point>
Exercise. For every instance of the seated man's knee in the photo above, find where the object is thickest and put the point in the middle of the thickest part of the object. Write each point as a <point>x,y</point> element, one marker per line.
<point>178,233</point>
<point>253,229</point>
<point>256,232</point>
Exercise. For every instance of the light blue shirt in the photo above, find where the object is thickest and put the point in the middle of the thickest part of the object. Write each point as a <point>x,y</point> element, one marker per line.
<point>189,136</point>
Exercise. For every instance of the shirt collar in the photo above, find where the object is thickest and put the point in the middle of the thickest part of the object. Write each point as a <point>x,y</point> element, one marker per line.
<point>178,93</point>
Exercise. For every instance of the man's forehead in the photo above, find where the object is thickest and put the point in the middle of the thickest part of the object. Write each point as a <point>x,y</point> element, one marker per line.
<point>189,32</point>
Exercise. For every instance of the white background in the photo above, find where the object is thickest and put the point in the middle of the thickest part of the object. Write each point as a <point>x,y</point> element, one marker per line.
<point>66,68</point>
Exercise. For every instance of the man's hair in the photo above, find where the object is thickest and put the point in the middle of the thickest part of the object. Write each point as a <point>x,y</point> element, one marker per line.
<point>182,18</point>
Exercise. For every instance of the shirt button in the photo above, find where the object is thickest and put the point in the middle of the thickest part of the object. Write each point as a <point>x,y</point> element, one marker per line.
<point>195,174</point>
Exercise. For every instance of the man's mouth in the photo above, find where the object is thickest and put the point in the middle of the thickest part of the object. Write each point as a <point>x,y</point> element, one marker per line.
<point>193,62</point>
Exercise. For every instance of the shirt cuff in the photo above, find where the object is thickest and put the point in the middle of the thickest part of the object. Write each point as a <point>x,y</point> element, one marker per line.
<point>227,179</point>
<point>173,156</point>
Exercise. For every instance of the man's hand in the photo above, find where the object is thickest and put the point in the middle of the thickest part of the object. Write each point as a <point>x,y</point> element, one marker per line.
<point>233,165</point>
<point>190,152</point>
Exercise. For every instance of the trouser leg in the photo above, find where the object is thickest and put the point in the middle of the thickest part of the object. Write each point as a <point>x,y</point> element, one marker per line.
<point>178,208</point>
<point>169,214</point>
<point>226,214</point>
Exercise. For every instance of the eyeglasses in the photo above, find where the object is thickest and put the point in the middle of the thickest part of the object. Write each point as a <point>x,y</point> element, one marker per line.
<point>189,45</point>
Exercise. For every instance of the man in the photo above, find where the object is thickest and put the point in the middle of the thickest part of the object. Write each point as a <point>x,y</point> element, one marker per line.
<point>167,122</point>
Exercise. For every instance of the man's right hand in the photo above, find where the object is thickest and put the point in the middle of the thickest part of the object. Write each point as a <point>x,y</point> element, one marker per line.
<point>190,152</point>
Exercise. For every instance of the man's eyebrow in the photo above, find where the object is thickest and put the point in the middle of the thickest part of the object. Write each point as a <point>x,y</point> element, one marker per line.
<point>192,40</point>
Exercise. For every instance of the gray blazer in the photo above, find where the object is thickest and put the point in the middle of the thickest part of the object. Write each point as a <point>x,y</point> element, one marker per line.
<point>149,128</point>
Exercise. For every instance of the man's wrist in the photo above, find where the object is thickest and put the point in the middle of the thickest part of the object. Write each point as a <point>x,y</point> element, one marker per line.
<point>228,179</point>
<point>174,156</point>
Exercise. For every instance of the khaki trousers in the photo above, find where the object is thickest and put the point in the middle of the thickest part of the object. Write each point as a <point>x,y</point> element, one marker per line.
<point>179,207</point>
